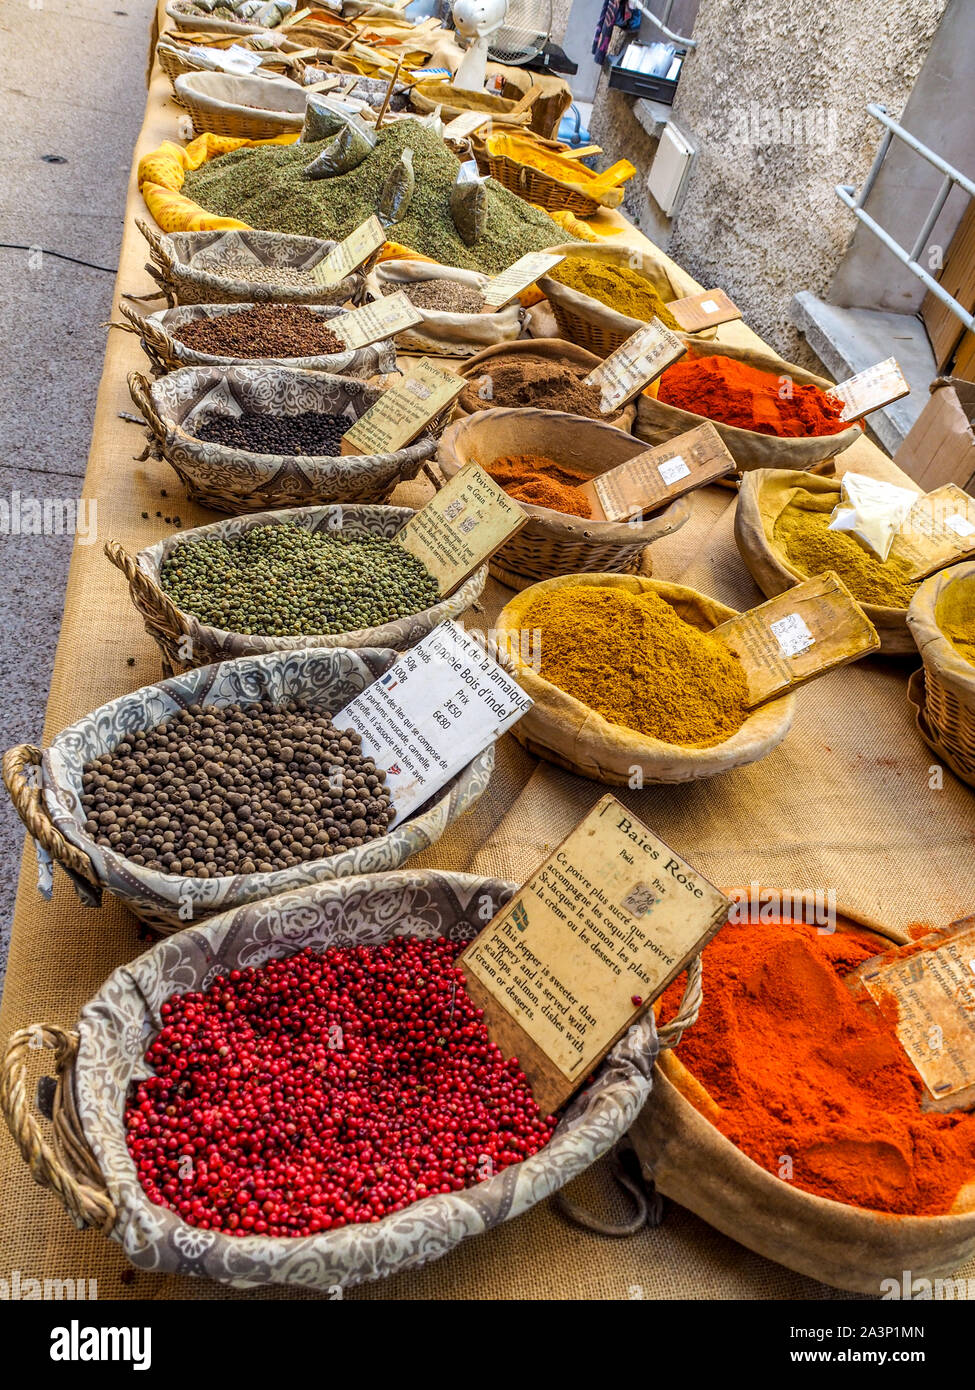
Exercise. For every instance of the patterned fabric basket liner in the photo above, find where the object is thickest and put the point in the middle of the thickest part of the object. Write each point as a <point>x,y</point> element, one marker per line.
<point>186,266</point>
<point>185,16</point>
<point>117,1026</point>
<point>230,478</point>
<point>944,694</point>
<point>324,679</point>
<point>160,339</point>
<point>362,520</point>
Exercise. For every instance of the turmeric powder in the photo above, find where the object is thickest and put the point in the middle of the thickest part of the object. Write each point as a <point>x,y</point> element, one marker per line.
<point>955,615</point>
<point>629,657</point>
<point>616,286</point>
<point>802,531</point>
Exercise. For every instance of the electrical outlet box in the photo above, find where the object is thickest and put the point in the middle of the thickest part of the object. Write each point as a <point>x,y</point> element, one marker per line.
<point>670,170</point>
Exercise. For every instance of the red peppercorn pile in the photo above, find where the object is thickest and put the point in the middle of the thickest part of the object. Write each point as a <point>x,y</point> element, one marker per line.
<point>325,1090</point>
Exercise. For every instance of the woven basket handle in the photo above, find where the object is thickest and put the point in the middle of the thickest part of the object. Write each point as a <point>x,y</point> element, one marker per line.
<point>150,333</point>
<point>68,1168</point>
<point>146,593</point>
<point>25,793</point>
<point>153,238</point>
<point>140,393</point>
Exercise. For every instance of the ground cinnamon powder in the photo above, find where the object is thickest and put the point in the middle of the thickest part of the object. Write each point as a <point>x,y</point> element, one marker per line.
<point>543,482</point>
<point>541,382</point>
<point>735,393</point>
<point>805,1071</point>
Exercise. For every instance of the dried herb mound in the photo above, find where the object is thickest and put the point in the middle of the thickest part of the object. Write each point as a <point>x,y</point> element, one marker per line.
<point>265,187</point>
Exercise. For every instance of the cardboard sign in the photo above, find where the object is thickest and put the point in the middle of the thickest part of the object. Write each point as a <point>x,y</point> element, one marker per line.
<point>524,272</point>
<point>660,474</point>
<point>465,124</point>
<point>870,389</point>
<point>383,318</point>
<point>402,412</point>
<point>931,984</point>
<point>595,935</point>
<point>635,363</point>
<point>704,310</point>
<point>441,704</point>
<point>467,521</point>
<point>810,629</point>
<point>938,531</point>
<point>349,254</point>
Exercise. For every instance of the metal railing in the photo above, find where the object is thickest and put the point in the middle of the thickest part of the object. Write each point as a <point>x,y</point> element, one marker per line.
<point>952,178</point>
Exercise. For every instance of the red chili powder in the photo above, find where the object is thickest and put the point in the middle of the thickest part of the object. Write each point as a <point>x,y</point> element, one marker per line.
<point>738,394</point>
<point>803,1069</point>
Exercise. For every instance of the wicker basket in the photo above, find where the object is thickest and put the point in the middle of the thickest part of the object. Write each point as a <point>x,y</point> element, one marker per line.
<point>245,108</point>
<point>427,95</point>
<point>552,542</point>
<point>564,731</point>
<point>50,806</point>
<point>186,643</point>
<point>554,350</point>
<point>184,17</point>
<point>594,325</point>
<point>764,494</point>
<point>175,60</point>
<point>182,264</point>
<point>88,1166</point>
<point>537,187</point>
<point>943,694</point>
<point>166,352</point>
<point>235,480</point>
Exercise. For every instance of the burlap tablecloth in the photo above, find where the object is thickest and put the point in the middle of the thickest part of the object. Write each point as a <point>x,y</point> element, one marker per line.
<point>848,802</point>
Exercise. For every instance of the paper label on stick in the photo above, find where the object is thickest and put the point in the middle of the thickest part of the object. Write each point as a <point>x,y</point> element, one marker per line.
<point>933,991</point>
<point>803,633</point>
<point>634,364</point>
<point>704,310</point>
<point>402,412</point>
<point>593,937</point>
<point>442,703</point>
<point>465,124</point>
<point>938,530</point>
<point>869,390</point>
<point>518,277</point>
<point>349,254</point>
<point>383,318</point>
<point>660,474</point>
<point>462,527</point>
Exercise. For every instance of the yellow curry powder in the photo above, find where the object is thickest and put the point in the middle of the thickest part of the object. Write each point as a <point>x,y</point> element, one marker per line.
<point>955,615</point>
<point>616,286</point>
<point>811,547</point>
<point>629,657</point>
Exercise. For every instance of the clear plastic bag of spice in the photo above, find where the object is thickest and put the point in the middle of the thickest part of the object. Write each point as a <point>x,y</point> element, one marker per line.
<point>354,142</point>
<point>398,189</point>
<point>324,117</point>
<point>469,202</point>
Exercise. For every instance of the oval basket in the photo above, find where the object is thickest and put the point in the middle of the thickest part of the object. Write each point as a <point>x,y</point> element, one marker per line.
<point>185,266</point>
<point>554,350</point>
<point>568,733</point>
<point>943,694</point>
<point>553,542</point>
<point>186,643</point>
<point>185,17</point>
<point>538,187</point>
<point>656,422</point>
<point>175,59</point>
<point>246,108</point>
<point>694,1164</point>
<point>230,479</point>
<point>427,95</point>
<point>594,325</point>
<point>447,334</point>
<point>166,353</point>
<point>325,679</point>
<point>89,1167</point>
<point>764,494</point>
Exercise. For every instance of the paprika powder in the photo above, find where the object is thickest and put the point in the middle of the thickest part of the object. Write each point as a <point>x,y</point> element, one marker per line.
<point>542,482</point>
<point>736,393</point>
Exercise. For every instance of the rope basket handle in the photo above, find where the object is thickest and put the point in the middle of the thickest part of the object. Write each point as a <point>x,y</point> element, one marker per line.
<point>154,239</point>
<point>140,392</point>
<point>149,332</point>
<point>647,1203</point>
<point>670,1034</point>
<point>146,593</point>
<point>68,1168</point>
<point>28,802</point>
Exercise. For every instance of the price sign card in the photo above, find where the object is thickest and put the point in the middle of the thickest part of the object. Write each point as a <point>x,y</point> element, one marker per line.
<point>467,521</point>
<point>704,310</point>
<point>504,287</point>
<point>443,702</point>
<point>938,530</point>
<point>869,390</point>
<point>929,986</point>
<point>349,254</point>
<point>402,412</point>
<point>465,124</point>
<point>384,318</point>
<point>625,372</point>
<point>658,475</point>
<point>595,935</point>
<point>801,634</point>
